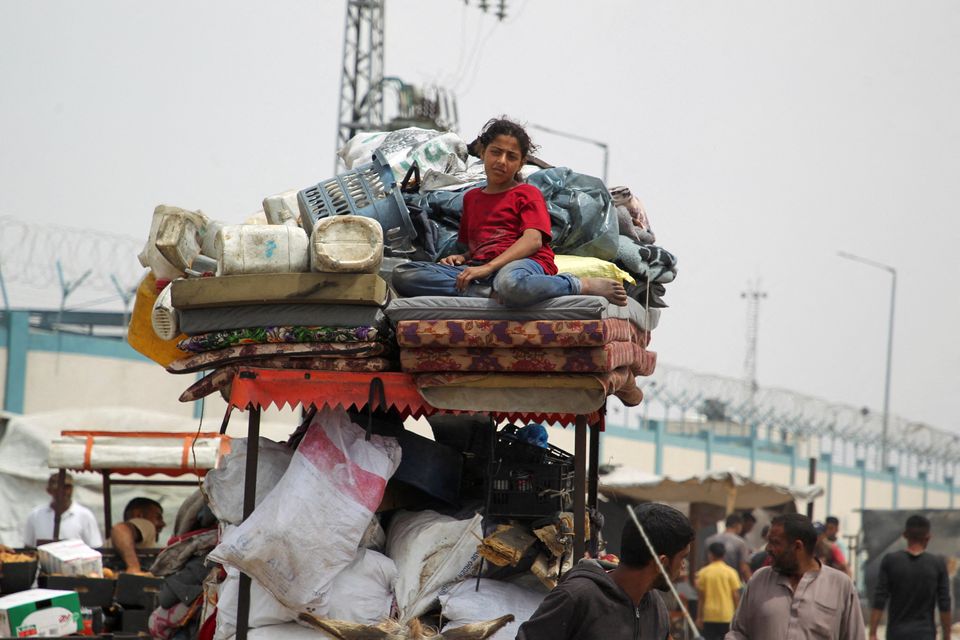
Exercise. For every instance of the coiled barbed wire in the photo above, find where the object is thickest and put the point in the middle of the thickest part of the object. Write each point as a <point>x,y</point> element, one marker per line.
<point>29,253</point>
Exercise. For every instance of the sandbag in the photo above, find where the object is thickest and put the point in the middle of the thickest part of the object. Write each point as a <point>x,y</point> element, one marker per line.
<point>431,551</point>
<point>583,219</point>
<point>309,526</point>
<point>264,608</point>
<point>363,591</point>
<point>463,603</point>
<point>224,485</point>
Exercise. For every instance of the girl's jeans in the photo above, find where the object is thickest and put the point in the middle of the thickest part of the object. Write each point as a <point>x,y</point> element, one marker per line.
<point>517,284</point>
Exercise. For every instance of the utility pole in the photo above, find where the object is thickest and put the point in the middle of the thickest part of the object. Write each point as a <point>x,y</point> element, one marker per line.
<point>753,295</point>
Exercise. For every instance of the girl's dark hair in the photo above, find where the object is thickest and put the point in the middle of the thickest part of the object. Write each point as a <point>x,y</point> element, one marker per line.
<point>504,126</point>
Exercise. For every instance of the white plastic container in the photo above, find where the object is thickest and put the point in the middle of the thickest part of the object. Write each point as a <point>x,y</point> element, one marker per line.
<point>164,318</point>
<point>180,235</point>
<point>346,244</point>
<point>262,248</point>
<point>282,208</point>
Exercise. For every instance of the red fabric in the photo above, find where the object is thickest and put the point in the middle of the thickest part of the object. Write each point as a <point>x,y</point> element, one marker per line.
<point>208,628</point>
<point>491,223</point>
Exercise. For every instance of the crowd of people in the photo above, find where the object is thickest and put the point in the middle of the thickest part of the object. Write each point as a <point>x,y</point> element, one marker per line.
<point>796,587</point>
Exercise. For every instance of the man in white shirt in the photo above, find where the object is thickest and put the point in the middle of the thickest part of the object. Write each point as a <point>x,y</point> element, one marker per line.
<point>76,521</point>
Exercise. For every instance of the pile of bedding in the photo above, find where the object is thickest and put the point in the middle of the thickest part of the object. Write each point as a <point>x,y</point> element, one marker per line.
<point>563,355</point>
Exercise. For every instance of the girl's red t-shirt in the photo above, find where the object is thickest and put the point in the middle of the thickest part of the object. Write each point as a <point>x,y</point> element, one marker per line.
<point>491,223</point>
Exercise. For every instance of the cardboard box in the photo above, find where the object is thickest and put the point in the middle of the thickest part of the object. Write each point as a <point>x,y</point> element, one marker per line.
<point>70,558</point>
<point>40,613</point>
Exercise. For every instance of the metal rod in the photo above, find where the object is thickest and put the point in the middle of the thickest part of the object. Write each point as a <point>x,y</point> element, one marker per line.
<point>249,500</point>
<point>811,479</point>
<point>61,491</point>
<point>663,572</point>
<point>593,481</point>
<point>579,487</point>
<point>107,502</point>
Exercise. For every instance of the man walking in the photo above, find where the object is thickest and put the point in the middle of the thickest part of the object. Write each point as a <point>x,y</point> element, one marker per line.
<point>622,603</point>
<point>797,597</point>
<point>737,553</point>
<point>912,582</point>
<point>718,588</point>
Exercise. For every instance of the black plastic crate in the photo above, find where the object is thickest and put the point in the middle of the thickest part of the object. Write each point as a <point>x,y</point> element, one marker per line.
<point>530,490</point>
<point>512,450</point>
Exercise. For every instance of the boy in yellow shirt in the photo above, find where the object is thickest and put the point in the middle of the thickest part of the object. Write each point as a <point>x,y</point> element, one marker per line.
<point>718,587</point>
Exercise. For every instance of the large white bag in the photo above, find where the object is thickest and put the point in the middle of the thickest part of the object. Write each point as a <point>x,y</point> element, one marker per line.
<point>308,527</point>
<point>264,608</point>
<point>463,604</point>
<point>224,485</point>
<point>443,152</point>
<point>288,631</point>
<point>363,591</point>
<point>431,551</point>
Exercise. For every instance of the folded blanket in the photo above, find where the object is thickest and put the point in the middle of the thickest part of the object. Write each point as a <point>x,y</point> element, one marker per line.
<point>263,335</point>
<point>646,262</point>
<point>230,355</point>
<point>526,359</point>
<point>512,333</point>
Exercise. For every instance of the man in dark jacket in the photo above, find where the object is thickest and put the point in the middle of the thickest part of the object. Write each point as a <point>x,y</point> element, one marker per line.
<point>622,603</point>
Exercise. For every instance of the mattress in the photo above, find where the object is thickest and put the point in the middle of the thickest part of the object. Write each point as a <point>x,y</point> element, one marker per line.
<point>511,333</point>
<point>562,308</point>
<point>223,376</point>
<point>248,316</point>
<point>243,352</point>
<point>263,335</point>
<point>523,393</point>
<point>278,288</point>
<point>522,359</point>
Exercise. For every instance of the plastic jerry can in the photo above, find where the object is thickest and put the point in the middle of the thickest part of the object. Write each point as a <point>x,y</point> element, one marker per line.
<point>140,332</point>
<point>346,244</point>
<point>262,248</point>
<point>180,236</point>
<point>282,208</point>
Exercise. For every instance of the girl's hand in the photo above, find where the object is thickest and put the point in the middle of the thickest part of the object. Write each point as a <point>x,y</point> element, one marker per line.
<point>454,260</point>
<point>470,274</point>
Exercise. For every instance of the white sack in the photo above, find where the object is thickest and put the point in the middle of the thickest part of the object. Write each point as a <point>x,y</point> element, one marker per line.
<point>443,152</point>
<point>363,591</point>
<point>309,526</point>
<point>224,486</point>
<point>264,608</point>
<point>462,604</point>
<point>431,551</point>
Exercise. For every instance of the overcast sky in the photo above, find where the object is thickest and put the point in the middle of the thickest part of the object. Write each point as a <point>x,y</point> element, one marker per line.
<point>763,136</point>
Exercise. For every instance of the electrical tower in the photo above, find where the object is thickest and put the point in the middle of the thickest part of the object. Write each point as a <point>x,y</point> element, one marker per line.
<point>753,296</point>
<point>361,79</point>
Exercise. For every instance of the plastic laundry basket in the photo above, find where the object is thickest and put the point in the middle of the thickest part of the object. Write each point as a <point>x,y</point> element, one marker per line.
<point>370,190</point>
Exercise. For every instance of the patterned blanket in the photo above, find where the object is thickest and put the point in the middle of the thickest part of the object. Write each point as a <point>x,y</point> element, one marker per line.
<point>527,359</point>
<point>263,335</point>
<point>230,355</point>
<point>511,333</point>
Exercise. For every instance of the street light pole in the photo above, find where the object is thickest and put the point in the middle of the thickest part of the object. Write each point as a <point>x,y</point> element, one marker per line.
<point>573,136</point>
<point>886,384</point>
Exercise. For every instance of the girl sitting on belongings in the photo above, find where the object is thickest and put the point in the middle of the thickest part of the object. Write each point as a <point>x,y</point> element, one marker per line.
<point>506,229</point>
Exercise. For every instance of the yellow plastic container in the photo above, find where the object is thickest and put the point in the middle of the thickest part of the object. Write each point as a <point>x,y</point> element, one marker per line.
<point>140,333</point>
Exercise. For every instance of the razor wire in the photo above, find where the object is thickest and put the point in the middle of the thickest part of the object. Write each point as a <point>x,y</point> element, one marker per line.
<point>97,261</point>
<point>913,445</point>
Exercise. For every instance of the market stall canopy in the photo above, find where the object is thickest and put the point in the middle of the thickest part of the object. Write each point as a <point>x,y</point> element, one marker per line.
<point>144,452</point>
<point>723,488</point>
